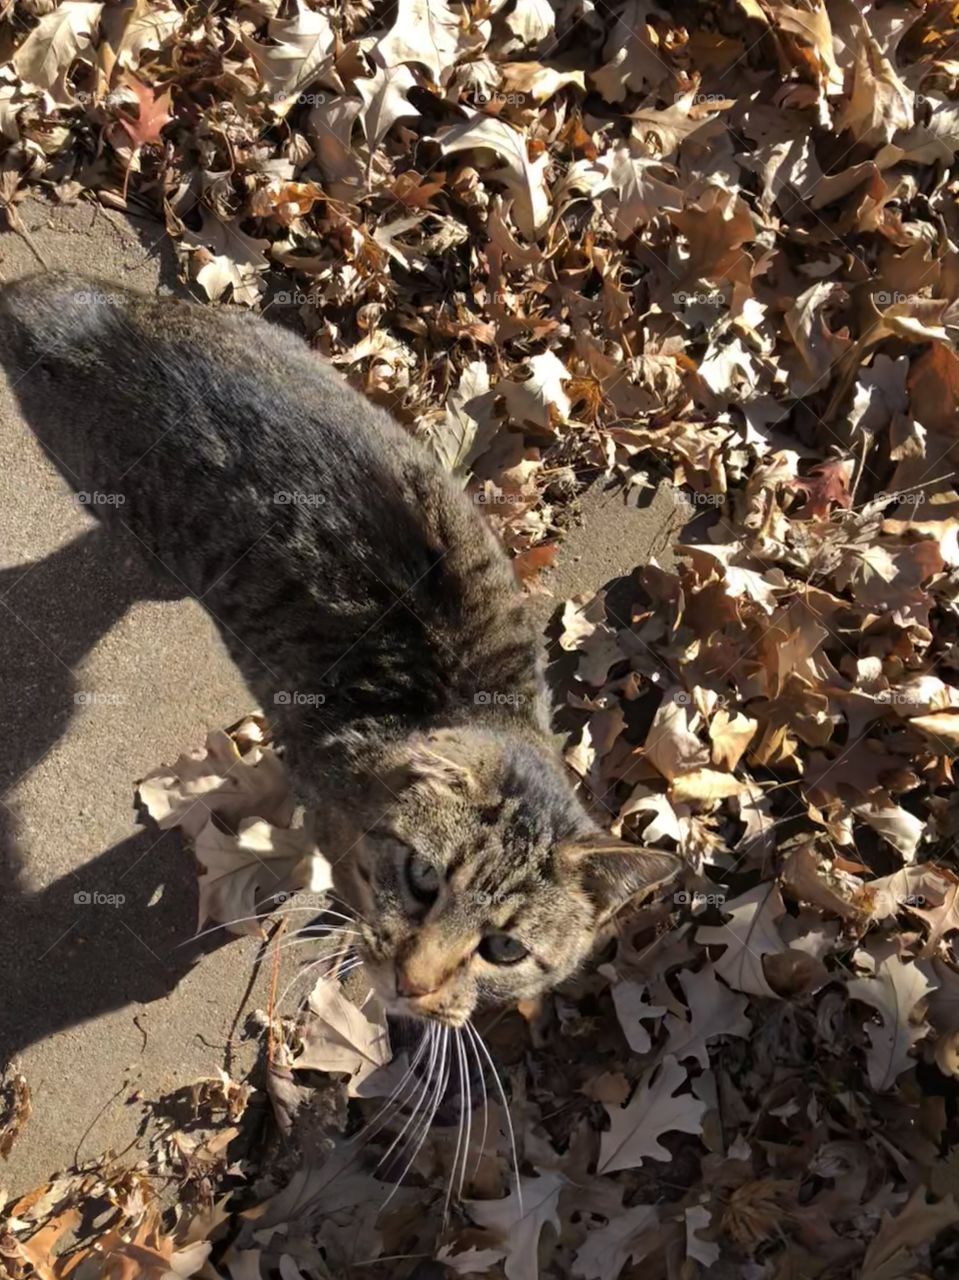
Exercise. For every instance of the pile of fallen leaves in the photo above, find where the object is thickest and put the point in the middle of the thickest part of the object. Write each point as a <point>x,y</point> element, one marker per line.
<point>755,1083</point>
<point>564,240</point>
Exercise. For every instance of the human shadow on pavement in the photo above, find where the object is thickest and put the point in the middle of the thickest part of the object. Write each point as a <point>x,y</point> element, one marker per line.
<point>53,611</point>
<point>108,935</point>
<point>89,942</point>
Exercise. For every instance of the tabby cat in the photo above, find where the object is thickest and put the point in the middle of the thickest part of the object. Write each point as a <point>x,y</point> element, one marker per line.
<point>369,608</point>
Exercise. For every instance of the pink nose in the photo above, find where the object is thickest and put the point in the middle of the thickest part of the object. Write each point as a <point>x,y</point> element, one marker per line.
<point>408,986</point>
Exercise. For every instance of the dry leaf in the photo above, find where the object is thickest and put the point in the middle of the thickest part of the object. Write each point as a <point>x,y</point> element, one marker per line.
<point>59,37</point>
<point>255,869</point>
<point>517,1221</point>
<point>524,177</point>
<point>218,780</point>
<point>750,934</point>
<point>342,1038</point>
<point>894,993</point>
<point>655,1109</point>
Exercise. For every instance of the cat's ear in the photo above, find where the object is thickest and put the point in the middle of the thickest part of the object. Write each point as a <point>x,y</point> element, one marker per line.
<point>440,761</point>
<point>612,871</point>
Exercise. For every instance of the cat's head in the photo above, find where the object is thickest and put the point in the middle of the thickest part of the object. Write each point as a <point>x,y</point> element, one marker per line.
<point>480,877</point>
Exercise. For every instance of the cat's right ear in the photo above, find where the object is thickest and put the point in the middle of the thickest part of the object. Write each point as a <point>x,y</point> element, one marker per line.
<point>612,872</point>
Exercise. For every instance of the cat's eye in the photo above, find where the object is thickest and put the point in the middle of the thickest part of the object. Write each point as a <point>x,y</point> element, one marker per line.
<point>423,878</point>
<point>502,948</point>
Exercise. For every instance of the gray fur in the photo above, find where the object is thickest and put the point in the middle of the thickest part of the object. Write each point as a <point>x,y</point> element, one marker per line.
<point>374,617</point>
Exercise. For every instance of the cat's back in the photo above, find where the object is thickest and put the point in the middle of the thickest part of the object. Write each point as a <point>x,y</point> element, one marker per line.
<point>206,428</point>
<point>246,464</point>
<point>171,375</point>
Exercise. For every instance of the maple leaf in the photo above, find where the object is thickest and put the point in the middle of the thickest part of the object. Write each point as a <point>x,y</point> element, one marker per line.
<point>635,1130</point>
<point>153,117</point>
<point>826,485</point>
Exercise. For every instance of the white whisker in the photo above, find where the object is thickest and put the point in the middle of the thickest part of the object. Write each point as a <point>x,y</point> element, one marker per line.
<point>309,969</point>
<point>442,1080</point>
<point>260,915</point>
<point>509,1122</point>
<point>458,1046</point>
<point>357,915</point>
<point>420,1049</point>
<point>472,1033</point>
<point>433,1033</point>
<point>302,937</point>
<point>464,1050</point>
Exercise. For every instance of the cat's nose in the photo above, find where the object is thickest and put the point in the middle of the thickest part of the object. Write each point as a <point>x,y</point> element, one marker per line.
<point>410,985</point>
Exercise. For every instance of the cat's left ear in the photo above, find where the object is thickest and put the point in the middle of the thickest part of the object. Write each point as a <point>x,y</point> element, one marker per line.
<point>612,871</point>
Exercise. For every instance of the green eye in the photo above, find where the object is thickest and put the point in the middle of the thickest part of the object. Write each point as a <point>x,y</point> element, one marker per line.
<point>502,948</point>
<point>423,878</point>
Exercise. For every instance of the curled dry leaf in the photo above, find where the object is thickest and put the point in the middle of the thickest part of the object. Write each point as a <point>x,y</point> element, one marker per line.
<point>223,778</point>
<point>254,870</point>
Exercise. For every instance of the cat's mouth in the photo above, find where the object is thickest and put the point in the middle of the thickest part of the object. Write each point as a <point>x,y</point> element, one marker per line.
<point>429,1007</point>
<point>404,1007</point>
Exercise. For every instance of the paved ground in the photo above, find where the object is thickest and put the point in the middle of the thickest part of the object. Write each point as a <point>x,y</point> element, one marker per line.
<point>97,1001</point>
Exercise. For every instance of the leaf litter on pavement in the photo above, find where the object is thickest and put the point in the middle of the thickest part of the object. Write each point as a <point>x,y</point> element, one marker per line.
<point>565,241</point>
